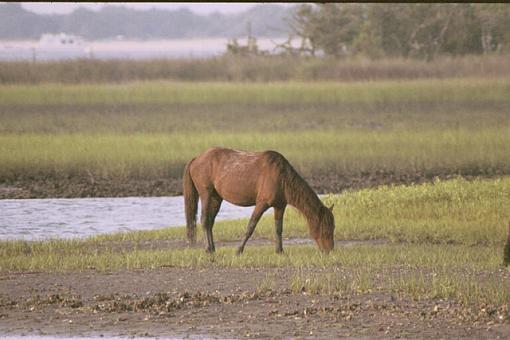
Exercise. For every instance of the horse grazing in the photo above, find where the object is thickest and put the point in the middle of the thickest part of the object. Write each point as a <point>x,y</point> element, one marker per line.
<point>261,179</point>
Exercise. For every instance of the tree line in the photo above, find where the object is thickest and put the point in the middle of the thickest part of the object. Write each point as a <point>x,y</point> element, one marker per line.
<point>400,30</point>
<point>266,20</point>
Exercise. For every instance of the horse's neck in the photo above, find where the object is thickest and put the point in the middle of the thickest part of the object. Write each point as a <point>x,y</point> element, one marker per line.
<point>302,197</point>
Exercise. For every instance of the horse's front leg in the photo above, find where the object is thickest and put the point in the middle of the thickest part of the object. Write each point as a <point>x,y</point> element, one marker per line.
<point>260,208</point>
<point>278,221</point>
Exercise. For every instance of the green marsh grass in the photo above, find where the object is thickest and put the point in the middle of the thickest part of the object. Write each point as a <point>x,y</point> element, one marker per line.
<point>248,117</point>
<point>446,90</point>
<point>425,256</point>
<point>345,152</point>
<point>150,129</point>
<point>461,284</point>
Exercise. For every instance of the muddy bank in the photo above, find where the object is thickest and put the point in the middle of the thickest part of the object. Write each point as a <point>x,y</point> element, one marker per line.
<point>79,187</point>
<point>224,303</point>
<point>321,182</point>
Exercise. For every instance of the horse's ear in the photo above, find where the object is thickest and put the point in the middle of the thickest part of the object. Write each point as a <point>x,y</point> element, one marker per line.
<point>331,208</point>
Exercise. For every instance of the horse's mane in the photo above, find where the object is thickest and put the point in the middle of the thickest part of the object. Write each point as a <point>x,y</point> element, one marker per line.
<point>299,194</point>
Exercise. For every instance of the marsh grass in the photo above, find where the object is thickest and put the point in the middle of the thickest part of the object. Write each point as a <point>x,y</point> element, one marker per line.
<point>464,286</point>
<point>368,257</point>
<point>120,118</point>
<point>454,211</point>
<point>57,131</point>
<point>230,68</point>
<point>486,151</point>
<point>439,91</point>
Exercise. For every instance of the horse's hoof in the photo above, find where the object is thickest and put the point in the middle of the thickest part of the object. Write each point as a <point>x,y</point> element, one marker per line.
<point>239,252</point>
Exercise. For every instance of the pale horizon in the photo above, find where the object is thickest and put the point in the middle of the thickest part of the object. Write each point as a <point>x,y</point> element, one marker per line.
<point>198,8</point>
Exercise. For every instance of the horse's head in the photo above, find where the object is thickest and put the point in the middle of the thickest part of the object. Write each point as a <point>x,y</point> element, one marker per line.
<point>324,237</point>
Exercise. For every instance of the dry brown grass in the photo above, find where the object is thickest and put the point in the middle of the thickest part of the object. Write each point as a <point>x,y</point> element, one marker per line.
<point>273,68</point>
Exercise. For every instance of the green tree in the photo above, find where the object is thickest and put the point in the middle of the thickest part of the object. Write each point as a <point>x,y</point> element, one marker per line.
<point>329,27</point>
<point>404,30</point>
<point>494,26</point>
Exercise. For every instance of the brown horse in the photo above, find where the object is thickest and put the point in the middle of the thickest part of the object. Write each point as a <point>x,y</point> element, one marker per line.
<point>263,179</point>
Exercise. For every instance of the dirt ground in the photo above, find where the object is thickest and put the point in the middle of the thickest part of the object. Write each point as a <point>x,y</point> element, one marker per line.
<point>221,303</point>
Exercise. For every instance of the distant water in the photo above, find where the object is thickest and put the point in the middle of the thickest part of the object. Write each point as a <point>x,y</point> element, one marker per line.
<point>32,219</point>
<point>120,49</point>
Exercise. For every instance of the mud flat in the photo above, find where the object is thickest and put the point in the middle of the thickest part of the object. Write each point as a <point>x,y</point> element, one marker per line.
<point>223,303</point>
<point>245,302</point>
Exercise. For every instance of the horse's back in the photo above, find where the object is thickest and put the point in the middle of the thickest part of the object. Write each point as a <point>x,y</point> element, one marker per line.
<point>240,177</point>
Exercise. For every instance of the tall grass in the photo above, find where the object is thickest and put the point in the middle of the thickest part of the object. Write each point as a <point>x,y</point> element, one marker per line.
<point>438,91</point>
<point>462,284</point>
<point>252,69</point>
<point>345,152</point>
<point>426,126</point>
<point>147,130</point>
<point>167,107</point>
<point>453,211</point>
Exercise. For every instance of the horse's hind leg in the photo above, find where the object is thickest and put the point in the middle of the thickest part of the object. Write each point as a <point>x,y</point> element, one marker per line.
<point>278,219</point>
<point>255,216</point>
<point>211,204</point>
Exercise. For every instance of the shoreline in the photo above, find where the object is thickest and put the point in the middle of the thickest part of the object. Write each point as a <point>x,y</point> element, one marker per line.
<point>82,187</point>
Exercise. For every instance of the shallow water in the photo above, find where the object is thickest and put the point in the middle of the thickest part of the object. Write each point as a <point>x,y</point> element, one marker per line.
<point>129,49</point>
<point>32,219</point>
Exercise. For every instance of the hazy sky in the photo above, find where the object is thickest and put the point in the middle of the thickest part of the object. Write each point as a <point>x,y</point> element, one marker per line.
<point>199,8</point>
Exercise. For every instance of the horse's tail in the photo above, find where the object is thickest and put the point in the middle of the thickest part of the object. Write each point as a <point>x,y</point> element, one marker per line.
<point>506,252</point>
<point>190,204</point>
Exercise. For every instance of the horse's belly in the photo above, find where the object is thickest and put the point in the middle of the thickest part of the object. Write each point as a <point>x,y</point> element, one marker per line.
<point>239,192</point>
<point>242,202</point>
